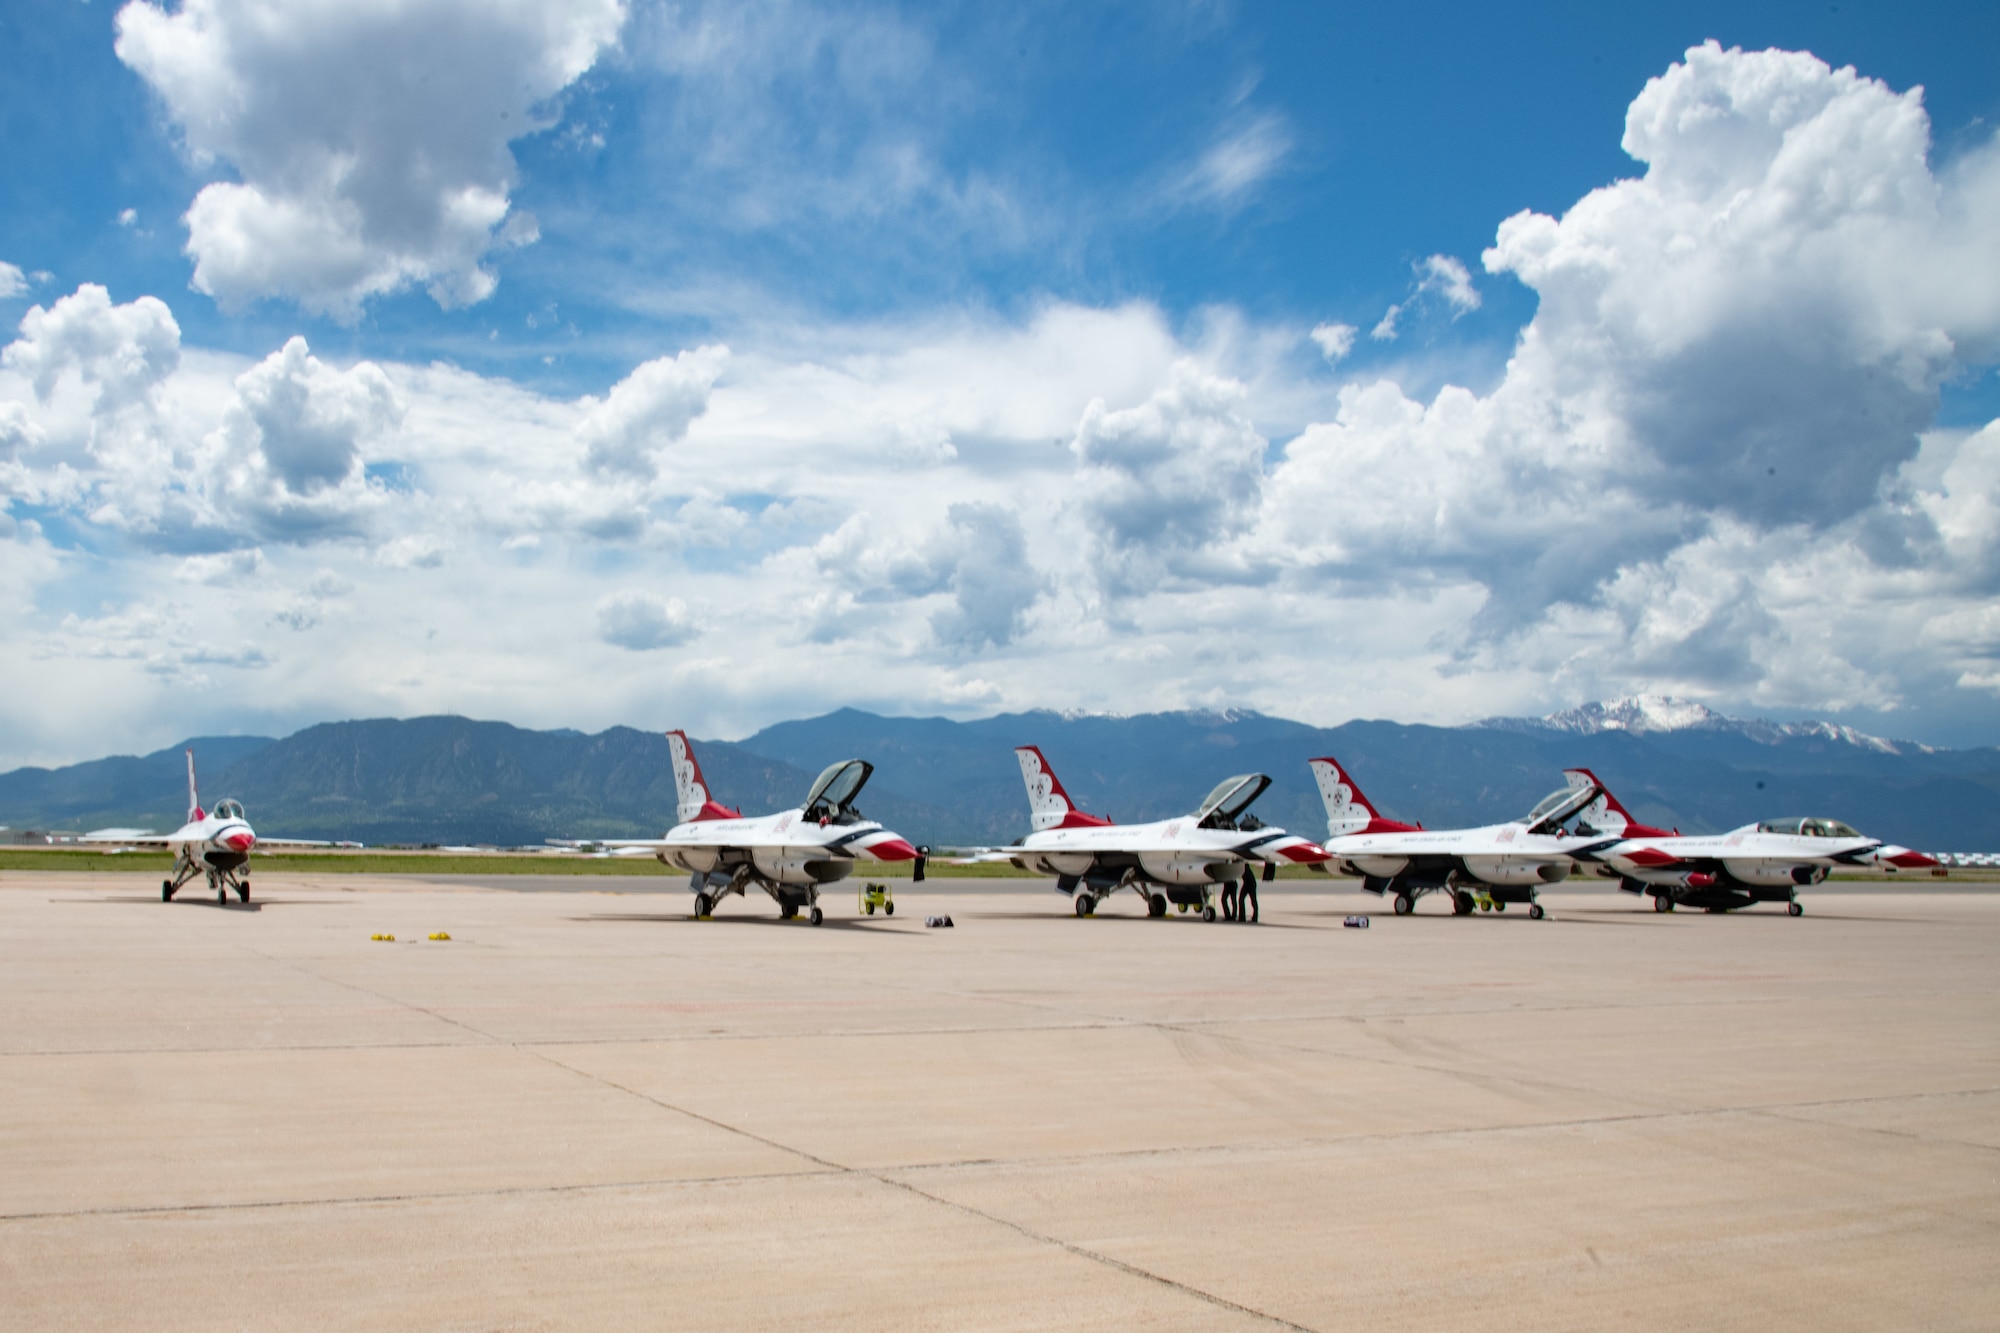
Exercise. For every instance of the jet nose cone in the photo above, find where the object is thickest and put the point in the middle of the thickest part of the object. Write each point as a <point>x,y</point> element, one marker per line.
<point>1905,859</point>
<point>241,840</point>
<point>1305,853</point>
<point>893,849</point>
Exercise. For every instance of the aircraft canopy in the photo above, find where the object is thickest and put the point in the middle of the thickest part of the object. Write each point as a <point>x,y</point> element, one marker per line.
<point>835,789</point>
<point>1808,828</point>
<point>228,809</point>
<point>1558,806</point>
<point>1231,797</point>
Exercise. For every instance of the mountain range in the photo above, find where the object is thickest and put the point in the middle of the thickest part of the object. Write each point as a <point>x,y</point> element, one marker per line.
<point>1673,762</point>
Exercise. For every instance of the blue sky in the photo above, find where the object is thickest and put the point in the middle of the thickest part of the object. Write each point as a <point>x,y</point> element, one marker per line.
<point>748,360</point>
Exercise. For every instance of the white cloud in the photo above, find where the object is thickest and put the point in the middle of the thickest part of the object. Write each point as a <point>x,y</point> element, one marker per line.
<point>1385,328</point>
<point>1242,158</point>
<point>1446,277</point>
<point>648,410</point>
<point>1167,485</point>
<point>122,352</point>
<point>641,621</point>
<point>370,140</point>
<point>12,281</point>
<point>128,217</point>
<point>1335,341</point>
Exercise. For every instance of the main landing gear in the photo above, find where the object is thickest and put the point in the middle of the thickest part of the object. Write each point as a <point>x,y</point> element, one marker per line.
<point>221,879</point>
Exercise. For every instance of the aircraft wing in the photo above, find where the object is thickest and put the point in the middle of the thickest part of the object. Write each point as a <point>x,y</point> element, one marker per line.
<point>263,842</point>
<point>118,840</point>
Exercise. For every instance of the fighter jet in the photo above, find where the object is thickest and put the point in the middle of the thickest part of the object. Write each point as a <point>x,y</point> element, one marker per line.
<point>1482,868</point>
<point>1766,862</point>
<point>789,855</point>
<point>1178,861</point>
<point>215,843</point>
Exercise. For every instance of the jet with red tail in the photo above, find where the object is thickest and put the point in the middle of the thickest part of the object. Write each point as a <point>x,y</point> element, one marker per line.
<point>1767,862</point>
<point>212,843</point>
<point>790,855</point>
<point>1180,862</point>
<point>1481,868</point>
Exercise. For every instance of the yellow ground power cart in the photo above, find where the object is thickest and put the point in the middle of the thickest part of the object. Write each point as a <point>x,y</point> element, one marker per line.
<point>872,896</point>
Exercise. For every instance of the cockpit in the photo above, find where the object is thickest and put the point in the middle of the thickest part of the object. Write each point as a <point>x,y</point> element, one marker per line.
<point>1224,807</point>
<point>1556,808</point>
<point>229,808</point>
<point>1808,828</point>
<point>832,796</point>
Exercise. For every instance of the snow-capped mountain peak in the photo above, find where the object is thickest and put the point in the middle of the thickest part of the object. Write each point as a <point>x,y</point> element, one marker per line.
<point>1663,712</point>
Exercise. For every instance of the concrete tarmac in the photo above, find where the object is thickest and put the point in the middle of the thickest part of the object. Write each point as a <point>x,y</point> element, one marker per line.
<point>587,1111</point>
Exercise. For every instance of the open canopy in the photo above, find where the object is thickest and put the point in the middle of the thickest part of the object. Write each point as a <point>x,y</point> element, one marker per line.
<point>1231,797</point>
<point>1808,828</point>
<point>833,792</point>
<point>1554,809</point>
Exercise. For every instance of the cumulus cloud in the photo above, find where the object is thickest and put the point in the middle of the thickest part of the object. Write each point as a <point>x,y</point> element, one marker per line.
<point>303,422</point>
<point>1165,485</point>
<point>12,282</point>
<point>370,141</point>
<point>642,621</point>
<point>648,410</point>
<point>1334,341</point>
<point>122,352</point>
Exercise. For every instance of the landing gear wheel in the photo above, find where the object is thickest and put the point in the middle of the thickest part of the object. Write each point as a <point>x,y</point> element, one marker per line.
<point>166,890</point>
<point>1663,904</point>
<point>1084,905</point>
<point>1461,903</point>
<point>702,906</point>
<point>222,897</point>
<point>1208,914</point>
<point>1798,909</point>
<point>1404,905</point>
<point>816,916</point>
<point>1535,912</point>
<point>888,909</point>
<point>243,892</point>
<point>790,911</point>
<point>1156,905</point>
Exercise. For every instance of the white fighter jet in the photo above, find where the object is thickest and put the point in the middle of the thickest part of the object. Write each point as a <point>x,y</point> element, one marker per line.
<point>1179,861</point>
<point>1484,869</point>
<point>1767,862</point>
<point>215,843</point>
<point>789,855</point>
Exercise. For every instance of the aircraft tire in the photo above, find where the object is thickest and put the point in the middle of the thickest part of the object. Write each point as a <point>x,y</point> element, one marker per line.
<point>1208,914</point>
<point>1404,905</point>
<point>1535,912</point>
<point>1461,903</point>
<point>1798,909</point>
<point>1663,904</point>
<point>789,912</point>
<point>816,916</point>
<point>166,890</point>
<point>1083,904</point>
<point>1156,905</point>
<point>888,909</point>
<point>243,892</point>
<point>222,897</point>
<point>702,906</point>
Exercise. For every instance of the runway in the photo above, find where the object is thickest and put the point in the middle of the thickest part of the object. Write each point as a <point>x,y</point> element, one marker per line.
<point>585,1110</point>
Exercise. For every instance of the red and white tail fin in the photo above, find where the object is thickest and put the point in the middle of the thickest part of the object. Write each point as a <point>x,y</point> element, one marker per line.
<point>1049,805</point>
<point>1605,814</point>
<point>693,790</point>
<point>195,814</point>
<point>1347,810</point>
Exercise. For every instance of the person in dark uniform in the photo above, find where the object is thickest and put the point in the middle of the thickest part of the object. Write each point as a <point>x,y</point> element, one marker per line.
<point>1228,900</point>
<point>1247,899</point>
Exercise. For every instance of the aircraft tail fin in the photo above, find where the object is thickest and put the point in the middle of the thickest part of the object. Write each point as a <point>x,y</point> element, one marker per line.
<point>1049,805</point>
<point>695,802</point>
<point>1605,814</point>
<point>195,814</point>
<point>1347,810</point>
